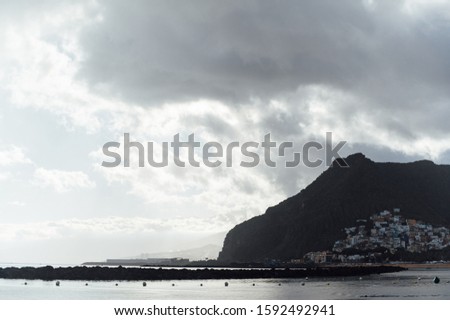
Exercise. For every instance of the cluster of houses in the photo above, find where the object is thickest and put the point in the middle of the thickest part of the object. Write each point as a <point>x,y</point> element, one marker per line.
<point>387,230</point>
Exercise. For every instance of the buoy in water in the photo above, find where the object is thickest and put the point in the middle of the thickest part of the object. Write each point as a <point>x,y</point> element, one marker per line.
<point>303,283</point>
<point>144,284</point>
<point>117,284</point>
<point>86,284</point>
<point>57,283</point>
<point>226,284</point>
<point>253,284</point>
<point>25,283</point>
<point>436,280</point>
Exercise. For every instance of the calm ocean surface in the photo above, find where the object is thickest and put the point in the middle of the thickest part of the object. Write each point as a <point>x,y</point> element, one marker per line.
<point>410,284</point>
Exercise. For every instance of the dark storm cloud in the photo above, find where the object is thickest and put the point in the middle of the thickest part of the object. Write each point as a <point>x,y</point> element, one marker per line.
<point>153,51</point>
<point>394,63</point>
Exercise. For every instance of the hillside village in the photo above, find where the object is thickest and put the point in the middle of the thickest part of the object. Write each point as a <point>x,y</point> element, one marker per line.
<point>385,230</point>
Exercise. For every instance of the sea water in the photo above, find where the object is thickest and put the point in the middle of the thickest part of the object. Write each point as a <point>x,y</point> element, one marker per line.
<point>410,284</point>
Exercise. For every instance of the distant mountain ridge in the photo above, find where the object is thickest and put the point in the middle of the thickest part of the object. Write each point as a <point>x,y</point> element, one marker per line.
<point>315,218</point>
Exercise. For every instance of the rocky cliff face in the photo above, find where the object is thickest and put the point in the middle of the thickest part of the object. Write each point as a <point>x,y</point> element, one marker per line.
<point>314,219</point>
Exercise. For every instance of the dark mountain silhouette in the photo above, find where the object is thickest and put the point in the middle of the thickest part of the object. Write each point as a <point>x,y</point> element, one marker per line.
<point>314,219</point>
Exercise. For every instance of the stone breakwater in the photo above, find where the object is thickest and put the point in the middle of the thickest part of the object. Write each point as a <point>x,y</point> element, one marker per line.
<point>121,273</point>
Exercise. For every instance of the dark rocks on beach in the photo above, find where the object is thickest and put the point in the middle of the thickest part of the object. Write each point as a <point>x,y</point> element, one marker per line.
<point>107,273</point>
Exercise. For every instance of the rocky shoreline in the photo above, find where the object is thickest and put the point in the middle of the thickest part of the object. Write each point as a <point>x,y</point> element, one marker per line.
<point>138,273</point>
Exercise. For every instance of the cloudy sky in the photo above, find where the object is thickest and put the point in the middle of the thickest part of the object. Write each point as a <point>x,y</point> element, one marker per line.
<point>77,74</point>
